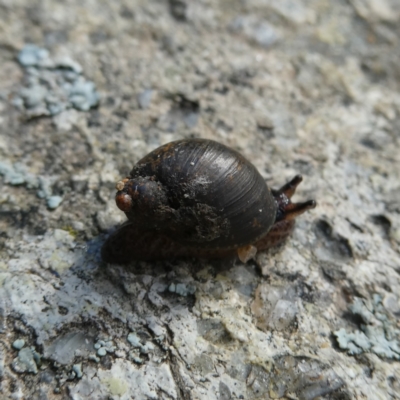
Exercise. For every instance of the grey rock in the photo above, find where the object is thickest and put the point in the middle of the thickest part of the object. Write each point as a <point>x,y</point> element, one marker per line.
<point>69,63</point>
<point>182,289</point>
<point>144,98</point>
<point>374,10</point>
<point>355,343</point>
<point>376,335</point>
<point>256,30</point>
<point>54,201</point>
<point>224,392</point>
<point>15,174</point>
<point>275,307</point>
<point>46,376</point>
<point>32,55</point>
<point>53,86</point>
<point>34,95</point>
<point>134,340</point>
<point>77,368</point>
<point>306,377</point>
<point>2,360</point>
<point>19,344</point>
<point>101,352</point>
<point>3,315</point>
<point>65,348</point>
<point>83,95</point>
<point>26,361</point>
<point>326,74</point>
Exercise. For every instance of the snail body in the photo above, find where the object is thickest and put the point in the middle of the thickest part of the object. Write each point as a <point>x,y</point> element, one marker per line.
<point>199,198</point>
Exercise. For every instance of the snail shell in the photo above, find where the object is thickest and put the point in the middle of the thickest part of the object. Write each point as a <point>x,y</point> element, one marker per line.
<point>197,197</point>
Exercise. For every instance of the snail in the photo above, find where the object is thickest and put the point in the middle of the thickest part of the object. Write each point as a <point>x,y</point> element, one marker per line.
<point>199,198</point>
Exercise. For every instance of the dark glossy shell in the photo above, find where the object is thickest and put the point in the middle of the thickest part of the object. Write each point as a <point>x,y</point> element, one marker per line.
<point>220,193</point>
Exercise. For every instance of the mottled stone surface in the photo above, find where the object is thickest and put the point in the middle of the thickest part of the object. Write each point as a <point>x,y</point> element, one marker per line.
<point>308,87</point>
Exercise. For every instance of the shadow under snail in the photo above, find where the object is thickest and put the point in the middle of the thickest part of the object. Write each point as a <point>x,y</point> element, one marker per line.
<point>199,198</point>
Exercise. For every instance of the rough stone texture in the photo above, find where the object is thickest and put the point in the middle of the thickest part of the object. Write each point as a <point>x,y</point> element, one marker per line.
<point>308,87</point>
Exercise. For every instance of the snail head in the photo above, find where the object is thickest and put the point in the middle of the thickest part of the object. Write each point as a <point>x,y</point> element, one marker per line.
<point>140,197</point>
<point>287,210</point>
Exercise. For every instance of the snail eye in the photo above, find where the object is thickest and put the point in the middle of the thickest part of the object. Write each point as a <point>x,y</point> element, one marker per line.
<point>124,201</point>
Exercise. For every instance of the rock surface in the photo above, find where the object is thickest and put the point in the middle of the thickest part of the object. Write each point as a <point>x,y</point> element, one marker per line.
<point>298,87</point>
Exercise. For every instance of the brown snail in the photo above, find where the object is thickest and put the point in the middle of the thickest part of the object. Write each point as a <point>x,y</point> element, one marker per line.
<point>199,198</point>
